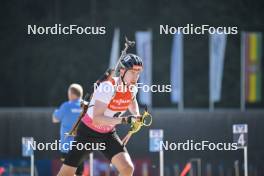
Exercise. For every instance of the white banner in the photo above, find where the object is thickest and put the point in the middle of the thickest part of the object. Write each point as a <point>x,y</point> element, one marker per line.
<point>144,50</point>
<point>217,44</point>
<point>115,49</point>
<point>177,69</point>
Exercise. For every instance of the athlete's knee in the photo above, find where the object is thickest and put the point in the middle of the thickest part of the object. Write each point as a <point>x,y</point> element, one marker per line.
<point>127,169</point>
<point>66,170</point>
<point>130,169</point>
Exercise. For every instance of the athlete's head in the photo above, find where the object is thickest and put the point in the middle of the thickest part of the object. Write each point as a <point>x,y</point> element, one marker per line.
<point>75,91</point>
<point>131,66</point>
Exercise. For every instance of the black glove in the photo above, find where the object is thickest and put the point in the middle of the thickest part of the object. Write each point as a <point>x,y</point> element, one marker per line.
<point>129,120</point>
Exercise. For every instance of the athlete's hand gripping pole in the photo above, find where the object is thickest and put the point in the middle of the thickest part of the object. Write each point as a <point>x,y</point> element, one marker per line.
<point>137,123</point>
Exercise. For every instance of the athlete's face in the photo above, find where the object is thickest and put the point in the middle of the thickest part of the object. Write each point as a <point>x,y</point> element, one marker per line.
<point>131,77</point>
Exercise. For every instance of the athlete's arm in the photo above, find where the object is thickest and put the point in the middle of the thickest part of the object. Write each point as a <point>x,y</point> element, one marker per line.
<point>133,107</point>
<point>54,119</point>
<point>98,115</point>
<point>58,114</point>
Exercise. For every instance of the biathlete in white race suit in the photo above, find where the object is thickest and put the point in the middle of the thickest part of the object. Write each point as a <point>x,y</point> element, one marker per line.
<point>110,100</point>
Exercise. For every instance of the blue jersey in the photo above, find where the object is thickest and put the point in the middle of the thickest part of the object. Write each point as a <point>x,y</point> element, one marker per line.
<point>67,114</point>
